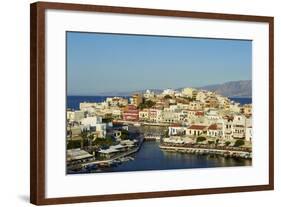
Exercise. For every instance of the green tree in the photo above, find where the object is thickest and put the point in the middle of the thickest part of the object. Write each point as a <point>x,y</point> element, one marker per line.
<point>167,97</point>
<point>200,139</point>
<point>107,120</point>
<point>84,141</point>
<point>104,142</point>
<point>72,144</point>
<point>211,142</point>
<point>239,143</point>
<point>146,104</point>
<point>150,103</point>
<point>124,134</point>
<point>166,133</point>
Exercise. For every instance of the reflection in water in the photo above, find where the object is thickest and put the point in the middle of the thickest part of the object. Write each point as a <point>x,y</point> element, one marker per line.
<point>151,157</point>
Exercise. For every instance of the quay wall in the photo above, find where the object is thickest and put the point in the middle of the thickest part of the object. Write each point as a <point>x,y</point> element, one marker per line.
<point>226,153</point>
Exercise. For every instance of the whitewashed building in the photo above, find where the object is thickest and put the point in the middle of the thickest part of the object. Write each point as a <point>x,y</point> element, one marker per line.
<point>215,130</point>
<point>96,123</point>
<point>75,115</point>
<point>196,130</point>
<point>177,129</point>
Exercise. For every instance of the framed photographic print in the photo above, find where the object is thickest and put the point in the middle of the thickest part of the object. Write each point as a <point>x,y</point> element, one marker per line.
<point>130,103</point>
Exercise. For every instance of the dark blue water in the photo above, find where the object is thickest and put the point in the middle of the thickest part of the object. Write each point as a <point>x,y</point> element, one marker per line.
<point>151,157</point>
<point>74,101</point>
<point>242,101</point>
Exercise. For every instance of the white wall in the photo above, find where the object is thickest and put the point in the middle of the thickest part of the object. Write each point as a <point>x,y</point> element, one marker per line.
<point>14,80</point>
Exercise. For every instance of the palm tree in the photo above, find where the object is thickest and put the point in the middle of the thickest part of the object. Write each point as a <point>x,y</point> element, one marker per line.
<point>84,135</point>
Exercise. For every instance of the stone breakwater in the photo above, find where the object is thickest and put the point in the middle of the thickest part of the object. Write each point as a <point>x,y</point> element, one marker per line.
<point>208,151</point>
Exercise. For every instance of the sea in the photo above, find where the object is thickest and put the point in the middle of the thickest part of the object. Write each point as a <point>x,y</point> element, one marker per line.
<point>74,101</point>
<point>242,101</point>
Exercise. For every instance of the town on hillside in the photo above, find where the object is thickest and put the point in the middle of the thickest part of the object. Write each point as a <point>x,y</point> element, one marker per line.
<point>102,134</point>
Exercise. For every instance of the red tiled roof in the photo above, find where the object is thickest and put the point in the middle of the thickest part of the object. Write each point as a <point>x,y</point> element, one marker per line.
<point>213,127</point>
<point>199,113</point>
<point>199,127</point>
<point>175,125</point>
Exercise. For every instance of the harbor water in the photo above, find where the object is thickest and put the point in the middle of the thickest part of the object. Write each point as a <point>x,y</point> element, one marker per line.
<point>151,157</point>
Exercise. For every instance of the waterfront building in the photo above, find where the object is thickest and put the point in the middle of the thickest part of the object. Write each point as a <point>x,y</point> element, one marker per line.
<point>159,115</point>
<point>239,124</point>
<point>144,115</point>
<point>129,143</point>
<point>177,130</point>
<point>228,127</point>
<point>196,130</point>
<point>239,131</point>
<point>108,153</point>
<point>131,113</point>
<point>152,115</point>
<point>77,154</point>
<point>174,140</point>
<point>94,124</point>
<point>215,131</point>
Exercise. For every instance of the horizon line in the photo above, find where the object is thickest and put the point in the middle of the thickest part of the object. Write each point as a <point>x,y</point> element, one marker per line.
<point>161,89</point>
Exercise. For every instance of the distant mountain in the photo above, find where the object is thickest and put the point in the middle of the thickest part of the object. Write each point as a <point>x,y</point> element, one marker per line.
<point>128,93</point>
<point>241,89</point>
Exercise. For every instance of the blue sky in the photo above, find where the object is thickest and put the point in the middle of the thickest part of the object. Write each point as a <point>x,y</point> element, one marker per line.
<point>98,63</point>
